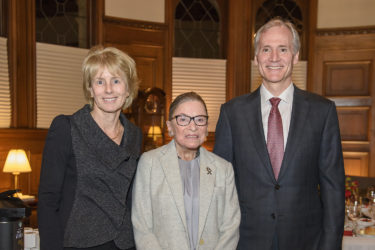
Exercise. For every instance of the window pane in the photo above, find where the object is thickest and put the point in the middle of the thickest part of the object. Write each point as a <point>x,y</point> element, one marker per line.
<point>62,22</point>
<point>3,18</point>
<point>197,29</point>
<point>287,9</point>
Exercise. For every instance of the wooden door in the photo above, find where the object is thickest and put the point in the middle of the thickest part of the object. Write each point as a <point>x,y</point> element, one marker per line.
<point>344,71</point>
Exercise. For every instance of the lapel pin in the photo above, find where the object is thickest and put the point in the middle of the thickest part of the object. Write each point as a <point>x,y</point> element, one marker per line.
<point>209,171</point>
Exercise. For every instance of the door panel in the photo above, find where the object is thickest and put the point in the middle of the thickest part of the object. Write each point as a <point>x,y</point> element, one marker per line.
<point>345,74</point>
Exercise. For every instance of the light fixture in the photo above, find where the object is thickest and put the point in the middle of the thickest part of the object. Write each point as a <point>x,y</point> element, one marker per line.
<point>16,163</point>
<point>154,132</point>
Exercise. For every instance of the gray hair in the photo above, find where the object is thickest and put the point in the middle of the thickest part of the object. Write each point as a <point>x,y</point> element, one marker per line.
<point>278,22</point>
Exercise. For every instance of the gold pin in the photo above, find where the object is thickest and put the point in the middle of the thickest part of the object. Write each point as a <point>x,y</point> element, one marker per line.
<point>209,171</point>
<point>201,242</point>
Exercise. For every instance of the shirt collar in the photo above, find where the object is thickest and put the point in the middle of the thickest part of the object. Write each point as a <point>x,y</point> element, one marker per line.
<point>285,96</point>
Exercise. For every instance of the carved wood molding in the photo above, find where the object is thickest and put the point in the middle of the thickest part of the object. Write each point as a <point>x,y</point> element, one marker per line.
<point>346,31</point>
<point>28,139</point>
<point>135,23</point>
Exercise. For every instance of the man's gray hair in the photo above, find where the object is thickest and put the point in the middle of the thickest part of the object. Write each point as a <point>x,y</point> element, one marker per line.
<point>277,21</point>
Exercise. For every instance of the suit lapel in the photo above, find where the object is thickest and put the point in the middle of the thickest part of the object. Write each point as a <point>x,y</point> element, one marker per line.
<point>169,162</point>
<point>207,183</point>
<point>300,111</point>
<point>253,115</point>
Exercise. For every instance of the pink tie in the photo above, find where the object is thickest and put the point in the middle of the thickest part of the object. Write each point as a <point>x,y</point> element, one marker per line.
<point>275,138</point>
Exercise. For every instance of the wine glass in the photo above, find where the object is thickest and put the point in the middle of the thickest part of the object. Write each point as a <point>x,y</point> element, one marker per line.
<point>353,211</point>
<point>371,192</point>
<point>372,211</point>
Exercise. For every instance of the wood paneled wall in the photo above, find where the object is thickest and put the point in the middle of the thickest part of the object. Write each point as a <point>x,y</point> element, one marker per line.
<point>341,67</point>
<point>22,74</point>
<point>344,71</point>
<point>32,141</point>
<point>147,43</point>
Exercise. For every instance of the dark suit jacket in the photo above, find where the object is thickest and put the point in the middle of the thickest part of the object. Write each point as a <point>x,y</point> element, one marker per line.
<point>305,207</point>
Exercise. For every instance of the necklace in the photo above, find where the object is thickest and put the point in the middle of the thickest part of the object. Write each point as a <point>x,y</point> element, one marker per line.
<point>118,133</point>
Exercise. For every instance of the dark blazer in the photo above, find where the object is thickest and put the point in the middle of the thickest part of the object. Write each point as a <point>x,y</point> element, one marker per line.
<point>305,207</point>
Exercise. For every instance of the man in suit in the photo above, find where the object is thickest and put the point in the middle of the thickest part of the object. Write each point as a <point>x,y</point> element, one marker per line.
<point>285,147</point>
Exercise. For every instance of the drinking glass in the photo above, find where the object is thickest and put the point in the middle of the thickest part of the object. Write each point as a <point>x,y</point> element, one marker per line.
<point>371,192</point>
<point>372,211</point>
<point>353,211</point>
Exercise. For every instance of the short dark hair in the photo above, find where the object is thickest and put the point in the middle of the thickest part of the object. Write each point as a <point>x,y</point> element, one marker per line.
<point>188,96</point>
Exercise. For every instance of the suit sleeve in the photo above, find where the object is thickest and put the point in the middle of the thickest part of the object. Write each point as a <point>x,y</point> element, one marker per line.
<point>142,208</point>
<point>229,229</point>
<point>55,159</point>
<point>223,137</point>
<point>332,183</point>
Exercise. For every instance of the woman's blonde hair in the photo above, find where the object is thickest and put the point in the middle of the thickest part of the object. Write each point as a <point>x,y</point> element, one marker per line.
<point>117,62</point>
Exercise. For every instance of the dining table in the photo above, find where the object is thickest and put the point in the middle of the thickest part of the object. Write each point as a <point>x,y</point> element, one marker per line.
<point>358,243</point>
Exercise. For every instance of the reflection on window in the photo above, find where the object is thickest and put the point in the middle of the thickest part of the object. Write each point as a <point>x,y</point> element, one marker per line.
<point>2,18</point>
<point>287,9</point>
<point>197,29</point>
<point>62,22</point>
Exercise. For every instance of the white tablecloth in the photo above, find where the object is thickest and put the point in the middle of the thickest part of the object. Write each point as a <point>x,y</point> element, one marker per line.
<point>358,243</point>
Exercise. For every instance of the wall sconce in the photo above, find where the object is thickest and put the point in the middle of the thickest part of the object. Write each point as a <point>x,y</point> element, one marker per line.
<point>17,163</point>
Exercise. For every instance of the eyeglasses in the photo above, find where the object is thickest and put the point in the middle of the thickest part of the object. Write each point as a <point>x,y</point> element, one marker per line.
<point>184,120</point>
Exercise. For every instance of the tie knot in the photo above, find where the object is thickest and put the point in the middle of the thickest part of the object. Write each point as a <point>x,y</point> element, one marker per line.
<point>275,101</point>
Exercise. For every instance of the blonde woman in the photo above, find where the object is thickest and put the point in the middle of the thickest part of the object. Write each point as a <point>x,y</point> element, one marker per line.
<point>89,161</point>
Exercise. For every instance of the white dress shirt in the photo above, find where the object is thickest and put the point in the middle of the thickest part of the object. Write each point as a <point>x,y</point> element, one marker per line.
<point>285,108</point>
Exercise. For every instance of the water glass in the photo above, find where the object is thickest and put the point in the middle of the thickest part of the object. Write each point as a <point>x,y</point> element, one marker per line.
<point>353,211</point>
<point>371,192</point>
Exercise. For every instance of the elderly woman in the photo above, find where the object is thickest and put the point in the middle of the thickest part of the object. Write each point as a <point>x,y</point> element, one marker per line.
<point>184,197</point>
<point>89,162</point>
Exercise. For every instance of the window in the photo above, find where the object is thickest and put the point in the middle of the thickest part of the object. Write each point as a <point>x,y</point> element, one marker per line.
<point>62,22</point>
<point>197,64</point>
<point>296,11</point>
<point>5,103</point>
<point>62,37</point>
<point>197,29</point>
<point>3,18</point>
<point>205,77</point>
<point>59,84</point>
<point>287,9</point>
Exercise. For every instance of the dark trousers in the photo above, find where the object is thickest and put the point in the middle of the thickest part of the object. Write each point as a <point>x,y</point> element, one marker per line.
<point>106,246</point>
<point>275,244</point>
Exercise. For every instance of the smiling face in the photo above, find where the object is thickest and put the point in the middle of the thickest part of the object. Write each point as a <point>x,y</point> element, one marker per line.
<point>109,91</point>
<point>275,57</point>
<point>190,137</point>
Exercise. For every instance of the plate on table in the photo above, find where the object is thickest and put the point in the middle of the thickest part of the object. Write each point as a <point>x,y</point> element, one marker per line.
<point>366,231</point>
<point>365,222</point>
